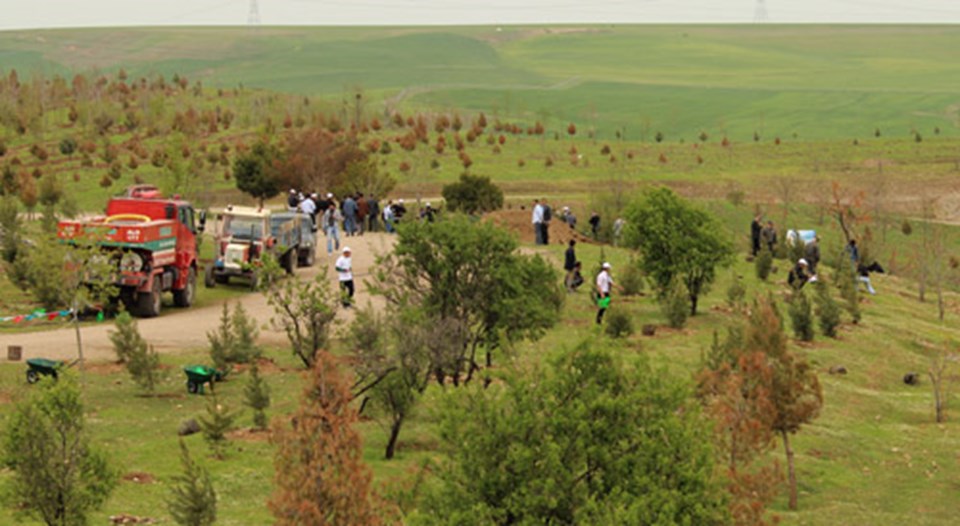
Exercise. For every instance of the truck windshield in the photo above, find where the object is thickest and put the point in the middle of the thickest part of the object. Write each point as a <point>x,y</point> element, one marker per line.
<point>243,227</point>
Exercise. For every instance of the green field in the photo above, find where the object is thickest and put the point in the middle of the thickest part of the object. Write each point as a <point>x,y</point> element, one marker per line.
<point>813,82</point>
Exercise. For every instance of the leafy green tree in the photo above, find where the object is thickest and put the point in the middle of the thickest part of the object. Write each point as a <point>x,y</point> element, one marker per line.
<point>591,441</point>
<point>469,275</point>
<point>473,194</point>
<point>256,396</point>
<point>256,172</point>
<point>364,175</point>
<point>10,228</point>
<point>676,240</point>
<point>193,500</point>
<point>57,477</point>
<point>215,424</point>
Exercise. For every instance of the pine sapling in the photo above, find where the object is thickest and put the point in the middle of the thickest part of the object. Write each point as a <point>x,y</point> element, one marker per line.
<point>222,341</point>
<point>257,397</point>
<point>245,334</point>
<point>215,424</point>
<point>801,316</point>
<point>193,501</point>
<point>126,337</point>
<point>828,312</point>
<point>143,365</point>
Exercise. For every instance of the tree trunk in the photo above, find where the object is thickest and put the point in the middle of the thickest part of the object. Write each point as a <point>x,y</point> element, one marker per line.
<point>76,327</point>
<point>394,435</point>
<point>791,473</point>
<point>693,304</point>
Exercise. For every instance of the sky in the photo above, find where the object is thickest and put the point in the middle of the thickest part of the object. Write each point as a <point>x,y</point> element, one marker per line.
<point>20,14</point>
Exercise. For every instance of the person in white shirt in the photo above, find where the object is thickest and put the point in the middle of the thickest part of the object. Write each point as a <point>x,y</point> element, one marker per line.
<point>537,222</point>
<point>344,267</point>
<point>388,217</point>
<point>604,284</point>
<point>308,206</point>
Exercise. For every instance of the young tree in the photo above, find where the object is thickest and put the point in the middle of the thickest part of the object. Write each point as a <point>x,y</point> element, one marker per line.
<point>126,336</point>
<point>215,424</point>
<point>676,241</point>
<point>321,478</point>
<point>305,310</point>
<point>828,312</point>
<point>235,339</point>
<point>473,194</point>
<point>801,315</point>
<point>144,367</point>
<point>256,394</point>
<point>939,379</point>
<point>57,477</point>
<point>364,175</point>
<point>794,388</point>
<point>469,275</point>
<point>84,280</point>
<point>193,500</point>
<point>587,437</point>
<point>257,172</point>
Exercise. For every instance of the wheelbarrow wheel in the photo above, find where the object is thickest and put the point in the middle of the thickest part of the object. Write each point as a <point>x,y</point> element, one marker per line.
<point>32,377</point>
<point>193,387</point>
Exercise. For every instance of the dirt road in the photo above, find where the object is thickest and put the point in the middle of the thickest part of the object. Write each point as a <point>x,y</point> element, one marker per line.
<point>179,330</point>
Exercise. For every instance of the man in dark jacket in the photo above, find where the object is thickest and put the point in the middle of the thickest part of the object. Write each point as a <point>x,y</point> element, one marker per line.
<point>570,264</point>
<point>799,276</point>
<point>373,212</point>
<point>755,228</point>
<point>812,253</point>
<point>363,208</point>
<point>595,225</point>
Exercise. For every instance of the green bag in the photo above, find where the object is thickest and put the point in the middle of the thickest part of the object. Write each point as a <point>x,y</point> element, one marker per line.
<point>604,303</point>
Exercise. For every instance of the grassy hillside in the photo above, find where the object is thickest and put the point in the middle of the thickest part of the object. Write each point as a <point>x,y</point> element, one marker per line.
<point>814,82</point>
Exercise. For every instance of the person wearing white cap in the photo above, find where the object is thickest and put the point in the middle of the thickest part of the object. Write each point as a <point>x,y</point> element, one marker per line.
<point>799,276</point>
<point>604,284</point>
<point>309,206</point>
<point>344,267</point>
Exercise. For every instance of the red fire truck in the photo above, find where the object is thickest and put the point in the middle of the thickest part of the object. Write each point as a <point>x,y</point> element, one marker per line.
<point>154,242</point>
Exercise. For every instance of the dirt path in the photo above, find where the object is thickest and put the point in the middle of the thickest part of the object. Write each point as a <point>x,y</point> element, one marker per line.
<point>184,330</point>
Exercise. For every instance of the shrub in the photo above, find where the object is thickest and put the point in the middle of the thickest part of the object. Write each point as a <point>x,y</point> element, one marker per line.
<point>234,341</point>
<point>906,227</point>
<point>849,291</point>
<point>631,279</point>
<point>763,264</point>
<point>473,194</point>
<point>801,316</point>
<point>828,312</point>
<point>68,146</point>
<point>619,324</point>
<point>736,292</point>
<point>675,304</point>
<point>143,365</point>
<point>126,337</point>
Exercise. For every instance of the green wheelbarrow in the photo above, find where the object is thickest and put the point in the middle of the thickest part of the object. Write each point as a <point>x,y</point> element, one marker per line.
<point>37,367</point>
<point>198,375</point>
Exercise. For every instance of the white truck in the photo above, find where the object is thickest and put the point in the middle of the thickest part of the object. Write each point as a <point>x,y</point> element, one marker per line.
<point>244,234</point>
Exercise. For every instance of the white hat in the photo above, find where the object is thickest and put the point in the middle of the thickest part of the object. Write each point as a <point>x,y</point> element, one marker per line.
<point>329,195</point>
<point>606,265</point>
<point>802,262</point>
<point>566,208</point>
<point>399,200</point>
<point>292,191</point>
<point>428,204</point>
<point>345,250</point>
<point>313,194</point>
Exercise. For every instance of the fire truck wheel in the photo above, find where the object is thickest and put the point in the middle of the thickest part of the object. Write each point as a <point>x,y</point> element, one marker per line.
<point>148,304</point>
<point>184,297</point>
<point>209,280</point>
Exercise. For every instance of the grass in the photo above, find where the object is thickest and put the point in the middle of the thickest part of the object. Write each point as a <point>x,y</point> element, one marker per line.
<point>819,82</point>
<point>873,456</point>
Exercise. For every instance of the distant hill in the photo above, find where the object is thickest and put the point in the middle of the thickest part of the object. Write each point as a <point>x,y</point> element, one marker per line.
<point>812,82</point>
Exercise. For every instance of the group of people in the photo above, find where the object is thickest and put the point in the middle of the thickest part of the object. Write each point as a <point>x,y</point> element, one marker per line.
<point>355,214</point>
<point>574,279</point>
<point>805,269</point>
<point>762,236</point>
<point>542,215</point>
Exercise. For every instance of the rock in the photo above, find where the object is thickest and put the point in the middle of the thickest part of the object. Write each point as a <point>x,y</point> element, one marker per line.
<point>648,330</point>
<point>911,379</point>
<point>838,369</point>
<point>188,427</point>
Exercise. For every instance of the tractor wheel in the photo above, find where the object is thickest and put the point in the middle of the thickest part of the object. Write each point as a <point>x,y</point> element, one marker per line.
<point>32,376</point>
<point>209,280</point>
<point>185,296</point>
<point>311,257</point>
<point>192,387</point>
<point>149,304</point>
